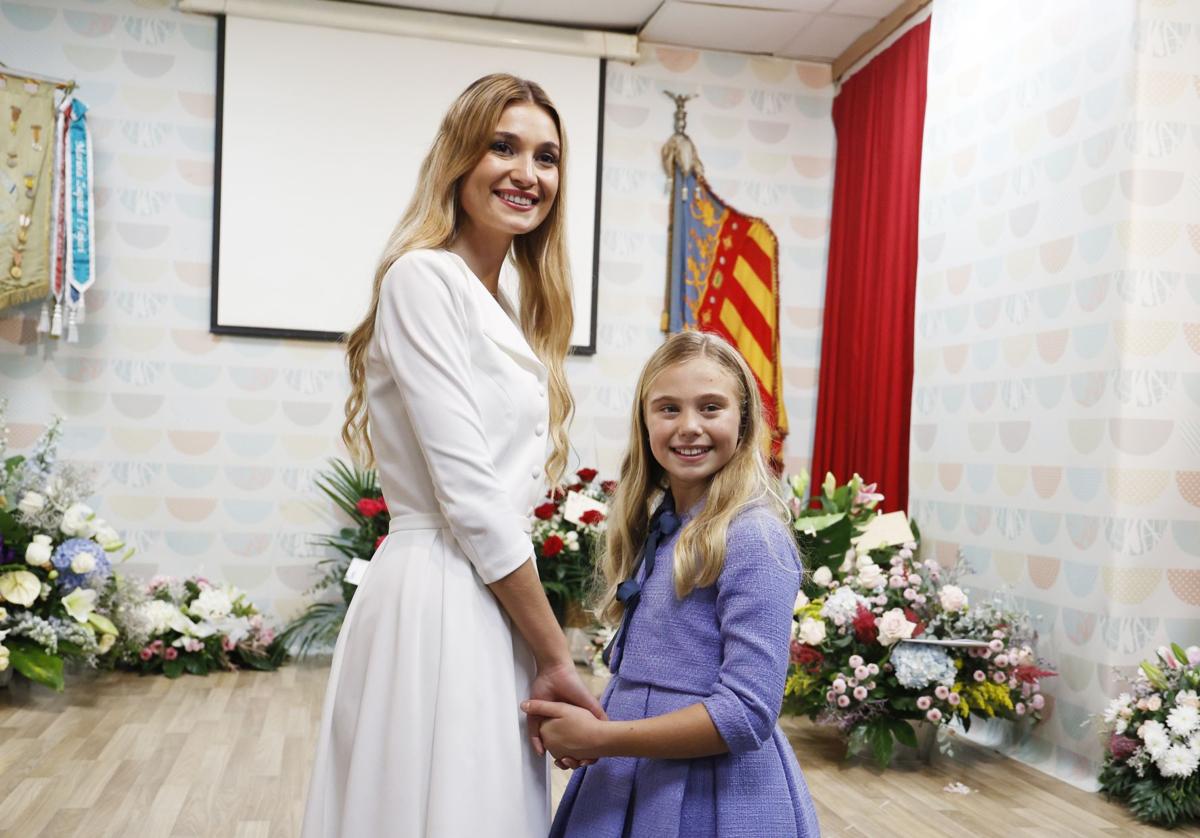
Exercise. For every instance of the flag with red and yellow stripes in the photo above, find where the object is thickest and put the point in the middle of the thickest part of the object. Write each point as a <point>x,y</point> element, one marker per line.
<point>724,278</point>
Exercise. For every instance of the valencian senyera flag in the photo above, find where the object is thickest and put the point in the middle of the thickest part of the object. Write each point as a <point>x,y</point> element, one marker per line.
<point>723,275</point>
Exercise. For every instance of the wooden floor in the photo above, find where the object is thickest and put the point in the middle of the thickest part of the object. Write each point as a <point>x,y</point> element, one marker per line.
<point>228,756</point>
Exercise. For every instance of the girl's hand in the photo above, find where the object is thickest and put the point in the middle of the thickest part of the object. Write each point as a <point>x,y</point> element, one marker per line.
<point>568,732</point>
<point>559,683</point>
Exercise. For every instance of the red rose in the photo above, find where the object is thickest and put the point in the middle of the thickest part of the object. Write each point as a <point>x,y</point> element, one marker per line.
<point>370,507</point>
<point>865,630</point>
<point>575,487</point>
<point>807,657</point>
<point>592,517</point>
<point>1122,747</point>
<point>379,541</point>
<point>552,546</point>
<point>558,494</point>
<point>913,618</point>
<point>608,487</point>
<point>545,511</point>
<point>587,475</point>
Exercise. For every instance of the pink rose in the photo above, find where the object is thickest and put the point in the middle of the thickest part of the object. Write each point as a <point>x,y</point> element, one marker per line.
<point>934,715</point>
<point>171,653</point>
<point>146,653</point>
<point>924,702</point>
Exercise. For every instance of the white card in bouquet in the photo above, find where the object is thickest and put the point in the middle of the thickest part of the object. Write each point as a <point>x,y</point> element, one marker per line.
<point>577,504</point>
<point>354,573</point>
<point>950,642</point>
<point>885,530</point>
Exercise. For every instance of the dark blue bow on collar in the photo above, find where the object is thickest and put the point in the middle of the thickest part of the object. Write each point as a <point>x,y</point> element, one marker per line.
<point>663,523</point>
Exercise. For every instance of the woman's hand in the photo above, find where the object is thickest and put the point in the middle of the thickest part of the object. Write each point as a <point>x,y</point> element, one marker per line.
<point>559,683</point>
<point>568,732</point>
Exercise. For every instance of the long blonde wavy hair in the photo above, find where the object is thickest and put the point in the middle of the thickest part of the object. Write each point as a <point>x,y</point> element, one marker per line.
<point>744,480</point>
<point>432,221</point>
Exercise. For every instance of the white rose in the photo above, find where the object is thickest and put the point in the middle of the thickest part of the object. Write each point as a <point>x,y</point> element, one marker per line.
<point>801,601</point>
<point>83,563</point>
<point>870,577</point>
<point>38,552</point>
<point>893,626</point>
<point>77,520</point>
<point>822,576</point>
<point>32,503</point>
<point>953,598</point>
<point>107,537</point>
<point>211,603</point>
<point>811,632</point>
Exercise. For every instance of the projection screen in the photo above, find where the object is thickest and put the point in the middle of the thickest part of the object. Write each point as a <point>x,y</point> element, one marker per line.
<point>320,133</point>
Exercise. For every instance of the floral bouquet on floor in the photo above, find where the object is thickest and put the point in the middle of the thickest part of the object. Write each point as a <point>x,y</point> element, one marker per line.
<point>1152,733</point>
<point>175,626</point>
<point>55,564</point>
<point>356,492</point>
<point>567,527</point>
<point>884,640</point>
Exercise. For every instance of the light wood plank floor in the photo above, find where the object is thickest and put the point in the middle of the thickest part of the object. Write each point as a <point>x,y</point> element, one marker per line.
<point>228,756</point>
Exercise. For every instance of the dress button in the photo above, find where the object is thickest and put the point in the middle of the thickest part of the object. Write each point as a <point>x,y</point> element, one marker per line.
<point>536,473</point>
<point>540,429</point>
<point>542,390</point>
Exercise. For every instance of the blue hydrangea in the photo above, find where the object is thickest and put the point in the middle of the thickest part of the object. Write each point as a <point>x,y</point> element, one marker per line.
<point>67,552</point>
<point>918,665</point>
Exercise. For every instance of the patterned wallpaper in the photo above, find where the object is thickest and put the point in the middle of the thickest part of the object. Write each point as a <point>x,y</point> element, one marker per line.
<point>1056,409</point>
<point>206,447</point>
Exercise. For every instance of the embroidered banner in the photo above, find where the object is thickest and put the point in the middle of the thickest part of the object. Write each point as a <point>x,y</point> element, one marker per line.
<point>723,275</point>
<point>27,120</point>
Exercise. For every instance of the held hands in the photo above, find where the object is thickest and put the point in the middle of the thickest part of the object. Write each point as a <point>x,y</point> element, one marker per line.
<point>571,734</point>
<point>555,686</point>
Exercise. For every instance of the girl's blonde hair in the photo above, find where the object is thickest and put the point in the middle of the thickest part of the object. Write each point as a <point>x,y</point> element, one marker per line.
<point>432,221</point>
<point>744,480</point>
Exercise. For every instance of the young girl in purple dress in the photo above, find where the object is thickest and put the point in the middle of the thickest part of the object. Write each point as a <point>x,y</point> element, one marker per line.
<point>702,578</point>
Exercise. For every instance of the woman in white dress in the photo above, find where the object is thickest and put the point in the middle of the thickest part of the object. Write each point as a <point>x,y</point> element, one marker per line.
<point>467,404</point>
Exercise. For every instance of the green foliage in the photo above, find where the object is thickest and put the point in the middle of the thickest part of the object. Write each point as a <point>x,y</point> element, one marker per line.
<point>35,663</point>
<point>1152,799</point>
<point>346,485</point>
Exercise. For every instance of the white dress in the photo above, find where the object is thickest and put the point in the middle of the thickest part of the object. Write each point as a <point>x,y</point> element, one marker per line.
<point>422,734</point>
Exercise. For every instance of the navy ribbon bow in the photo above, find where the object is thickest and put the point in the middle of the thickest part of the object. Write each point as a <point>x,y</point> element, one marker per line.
<point>629,593</point>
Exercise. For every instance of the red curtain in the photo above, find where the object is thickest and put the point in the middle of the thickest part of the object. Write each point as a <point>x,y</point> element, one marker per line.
<point>864,393</point>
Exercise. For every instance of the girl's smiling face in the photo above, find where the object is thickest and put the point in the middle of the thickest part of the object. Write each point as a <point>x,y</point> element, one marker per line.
<point>693,418</point>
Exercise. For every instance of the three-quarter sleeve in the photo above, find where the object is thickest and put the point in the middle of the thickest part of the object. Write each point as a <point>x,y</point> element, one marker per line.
<point>422,327</point>
<point>756,593</point>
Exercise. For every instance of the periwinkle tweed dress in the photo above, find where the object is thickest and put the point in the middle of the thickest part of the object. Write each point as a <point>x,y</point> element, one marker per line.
<point>726,646</point>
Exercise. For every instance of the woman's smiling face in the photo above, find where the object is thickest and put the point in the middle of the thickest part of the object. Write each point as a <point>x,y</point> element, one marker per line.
<point>512,187</point>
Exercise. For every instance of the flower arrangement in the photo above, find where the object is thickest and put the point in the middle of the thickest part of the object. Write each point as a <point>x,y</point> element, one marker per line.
<point>884,639</point>
<point>1152,740</point>
<point>175,626</point>
<point>356,492</point>
<point>567,527</point>
<point>56,560</point>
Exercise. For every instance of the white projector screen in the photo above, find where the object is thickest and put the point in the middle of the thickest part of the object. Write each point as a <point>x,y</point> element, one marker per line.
<point>320,134</point>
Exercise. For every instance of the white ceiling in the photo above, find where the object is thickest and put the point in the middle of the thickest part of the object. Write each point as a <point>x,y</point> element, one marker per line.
<point>814,29</point>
